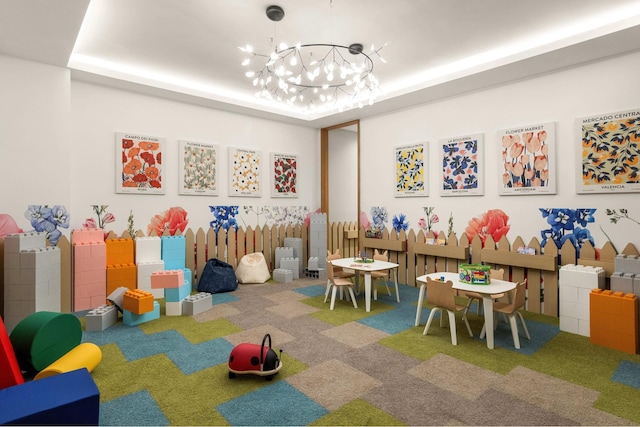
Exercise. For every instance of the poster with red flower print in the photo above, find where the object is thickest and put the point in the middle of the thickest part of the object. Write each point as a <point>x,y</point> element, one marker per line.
<point>139,164</point>
<point>609,160</point>
<point>527,159</point>
<point>285,175</point>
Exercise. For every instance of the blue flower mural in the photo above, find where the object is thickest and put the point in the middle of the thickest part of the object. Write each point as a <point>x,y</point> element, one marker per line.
<point>47,220</point>
<point>400,222</point>
<point>224,216</point>
<point>567,225</point>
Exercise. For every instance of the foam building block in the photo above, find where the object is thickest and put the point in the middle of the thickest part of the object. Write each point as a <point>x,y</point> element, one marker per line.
<point>132,319</point>
<point>173,252</point>
<point>319,273</point>
<point>167,279</point>
<point>71,398</point>
<point>119,251</point>
<point>312,264</point>
<point>282,275</point>
<point>43,337</point>
<point>148,249</point>
<point>627,263</point>
<point>31,277</point>
<point>622,282</point>
<point>86,355</point>
<point>283,252</point>
<point>296,244</point>
<point>177,294</point>
<point>121,275</point>
<point>318,237</point>
<point>145,269</point>
<point>117,297</point>
<point>614,320</point>
<point>197,303</point>
<point>575,285</point>
<point>292,264</point>
<point>89,269</point>
<point>137,301</point>
<point>10,373</point>
<point>100,318</point>
<point>173,308</point>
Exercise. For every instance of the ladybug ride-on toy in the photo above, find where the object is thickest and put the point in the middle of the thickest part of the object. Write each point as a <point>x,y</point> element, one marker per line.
<point>255,359</point>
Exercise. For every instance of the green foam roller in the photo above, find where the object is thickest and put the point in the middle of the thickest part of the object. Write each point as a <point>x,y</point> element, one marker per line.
<point>43,337</point>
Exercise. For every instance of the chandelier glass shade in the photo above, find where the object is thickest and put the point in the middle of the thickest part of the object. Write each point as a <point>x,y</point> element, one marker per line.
<point>314,77</point>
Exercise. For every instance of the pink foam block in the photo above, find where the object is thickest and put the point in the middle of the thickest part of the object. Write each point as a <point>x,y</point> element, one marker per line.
<point>167,279</point>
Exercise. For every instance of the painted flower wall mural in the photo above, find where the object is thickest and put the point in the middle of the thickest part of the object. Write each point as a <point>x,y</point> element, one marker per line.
<point>224,217</point>
<point>47,219</point>
<point>173,219</point>
<point>494,223</point>
<point>567,225</point>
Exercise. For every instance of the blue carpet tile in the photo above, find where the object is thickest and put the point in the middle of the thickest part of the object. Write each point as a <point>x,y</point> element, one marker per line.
<point>277,404</point>
<point>627,373</point>
<point>136,409</point>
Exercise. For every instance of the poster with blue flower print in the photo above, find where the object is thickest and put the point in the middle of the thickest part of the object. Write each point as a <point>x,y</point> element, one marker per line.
<point>609,160</point>
<point>462,166</point>
<point>527,156</point>
<point>410,170</point>
<point>199,165</point>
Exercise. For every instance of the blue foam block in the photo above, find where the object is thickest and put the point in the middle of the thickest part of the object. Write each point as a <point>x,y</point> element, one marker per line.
<point>178,294</point>
<point>132,319</point>
<point>71,398</point>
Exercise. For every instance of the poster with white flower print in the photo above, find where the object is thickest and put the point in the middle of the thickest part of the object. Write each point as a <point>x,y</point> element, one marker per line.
<point>609,153</point>
<point>285,175</point>
<point>462,165</point>
<point>198,173</point>
<point>245,170</point>
<point>410,170</point>
<point>139,164</point>
<point>527,159</point>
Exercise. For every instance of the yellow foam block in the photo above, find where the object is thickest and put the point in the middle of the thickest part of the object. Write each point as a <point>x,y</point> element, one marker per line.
<point>85,355</point>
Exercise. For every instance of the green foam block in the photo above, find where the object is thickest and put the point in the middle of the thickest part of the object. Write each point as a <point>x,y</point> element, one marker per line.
<point>43,337</point>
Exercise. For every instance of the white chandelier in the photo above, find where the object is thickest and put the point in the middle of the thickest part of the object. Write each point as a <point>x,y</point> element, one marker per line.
<point>313,77</point>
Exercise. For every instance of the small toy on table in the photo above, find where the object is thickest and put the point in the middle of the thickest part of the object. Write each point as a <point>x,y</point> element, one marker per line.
<point>475,274</point>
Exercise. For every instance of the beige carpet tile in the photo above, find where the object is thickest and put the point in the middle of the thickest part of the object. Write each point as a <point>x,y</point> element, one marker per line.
<point>255,335</point>
<point>253,318</point>
<point>332,384</point>
<point>417,402</point>
<point>284,297</point>
<point>497,408</point>
<point>449,373</point>
<point>292,309</point>
<point>554,394</point>
<point>216,312</point>
<point>355,334</point>
<point>312,349</point>
<point>380,361</point>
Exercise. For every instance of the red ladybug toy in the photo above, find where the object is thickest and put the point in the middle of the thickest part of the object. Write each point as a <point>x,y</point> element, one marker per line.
<point>246,358</point>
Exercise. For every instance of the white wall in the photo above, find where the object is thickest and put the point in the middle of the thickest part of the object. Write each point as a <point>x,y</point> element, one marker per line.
<point>34,136</point>
<point>98,112</point>
<point>607,86</point>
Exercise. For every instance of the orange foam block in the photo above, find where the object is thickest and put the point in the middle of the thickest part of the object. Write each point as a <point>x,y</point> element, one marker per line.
<point>614,320</point>
<point>119,251</point>
<point>167,279</point>
<point>123,275</point>
<point>137,301</point>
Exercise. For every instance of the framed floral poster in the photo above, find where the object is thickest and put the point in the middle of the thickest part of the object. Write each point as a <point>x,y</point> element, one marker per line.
<point>410,172</point>
<point>284,169</point>
<point>139,164</point>
<point>527,156</point>
<point>198,173</point>
<point>462,165</point>
<point>609,153</point>
<point>245,170</point>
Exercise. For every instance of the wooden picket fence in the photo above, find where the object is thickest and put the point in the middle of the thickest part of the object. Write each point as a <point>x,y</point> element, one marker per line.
<point>412,251</point>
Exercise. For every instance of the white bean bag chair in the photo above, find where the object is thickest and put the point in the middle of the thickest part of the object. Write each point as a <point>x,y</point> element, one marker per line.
<point>253,269</point>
